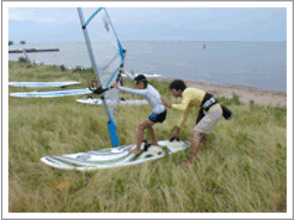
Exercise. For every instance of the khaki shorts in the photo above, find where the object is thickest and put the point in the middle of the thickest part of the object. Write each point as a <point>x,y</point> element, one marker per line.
<point>209,120</point>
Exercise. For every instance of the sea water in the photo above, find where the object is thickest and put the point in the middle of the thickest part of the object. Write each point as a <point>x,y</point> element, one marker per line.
<point>252,64</point>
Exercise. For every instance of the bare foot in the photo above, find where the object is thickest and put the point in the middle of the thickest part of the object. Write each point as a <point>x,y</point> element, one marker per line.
<point>153,143</point>
<point>134,151</point>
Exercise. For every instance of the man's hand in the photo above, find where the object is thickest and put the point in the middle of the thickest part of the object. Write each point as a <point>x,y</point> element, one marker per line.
<point>115,85</point>
<point>165,103</point>
<point>91,84</point>
<point>121,70</point>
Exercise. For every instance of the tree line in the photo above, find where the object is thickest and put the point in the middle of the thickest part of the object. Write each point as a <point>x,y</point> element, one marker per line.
<point>11,42</point>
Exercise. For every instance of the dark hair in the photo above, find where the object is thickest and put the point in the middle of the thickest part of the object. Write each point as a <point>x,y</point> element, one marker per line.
<point>177,84</point>
<point>141,78</point>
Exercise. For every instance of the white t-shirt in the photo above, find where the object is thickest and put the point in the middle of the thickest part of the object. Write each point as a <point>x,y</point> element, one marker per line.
<point>150,94</point>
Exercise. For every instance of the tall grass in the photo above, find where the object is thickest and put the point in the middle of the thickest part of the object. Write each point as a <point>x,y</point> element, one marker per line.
<point>242,167</point>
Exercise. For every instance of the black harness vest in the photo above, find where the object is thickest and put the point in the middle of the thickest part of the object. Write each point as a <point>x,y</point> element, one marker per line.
<point>207,103</point>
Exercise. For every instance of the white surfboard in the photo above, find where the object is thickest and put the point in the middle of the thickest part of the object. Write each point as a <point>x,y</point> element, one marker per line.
<point>43,84</point>
<point>51,94</point>
<point>121,102</point>
<point>146,75</point>
<point>112,157</point>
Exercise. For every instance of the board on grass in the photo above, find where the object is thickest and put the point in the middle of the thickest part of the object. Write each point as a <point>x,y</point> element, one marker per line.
<point>112,157</point>
<point>42,84</point>
<point>121,102</point>
<point>51,94</point>
<point>146,75</point>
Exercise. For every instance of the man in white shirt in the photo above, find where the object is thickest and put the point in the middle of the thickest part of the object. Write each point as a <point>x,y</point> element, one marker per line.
<point>158,110</point>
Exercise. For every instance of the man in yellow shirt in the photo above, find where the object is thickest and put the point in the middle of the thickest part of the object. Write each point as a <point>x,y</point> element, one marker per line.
<point>205,122</point>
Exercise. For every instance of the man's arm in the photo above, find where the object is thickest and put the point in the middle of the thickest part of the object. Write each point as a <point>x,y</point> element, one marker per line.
<point>130,76</point>
<point>184,106</point>
<point>165,103</point>
<point>184,117</point>
<point>131,91</point>
<point>185,102</point>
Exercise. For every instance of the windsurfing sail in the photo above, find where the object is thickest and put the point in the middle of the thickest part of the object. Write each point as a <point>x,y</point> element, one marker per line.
<point>106,55</point>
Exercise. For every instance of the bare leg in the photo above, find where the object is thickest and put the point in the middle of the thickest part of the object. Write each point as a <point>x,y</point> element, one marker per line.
<point>194,146</point>
<point>153,136</point>
<point>142,127</point>
<point>204,141</point>
<point>140,135</point>
<point>139,139</point>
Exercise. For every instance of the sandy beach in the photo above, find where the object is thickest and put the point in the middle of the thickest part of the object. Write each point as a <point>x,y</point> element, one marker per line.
<point>262,97</point>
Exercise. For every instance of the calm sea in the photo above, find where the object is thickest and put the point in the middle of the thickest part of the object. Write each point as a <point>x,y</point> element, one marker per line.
<point>251,64</point>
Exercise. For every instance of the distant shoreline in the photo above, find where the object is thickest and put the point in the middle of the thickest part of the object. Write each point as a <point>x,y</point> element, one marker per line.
<point>122,41</point>
<point>246,94</point>
<point>212,65</point>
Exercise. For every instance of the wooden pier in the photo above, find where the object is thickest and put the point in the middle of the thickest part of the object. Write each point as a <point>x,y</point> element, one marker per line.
<point>33,50</point>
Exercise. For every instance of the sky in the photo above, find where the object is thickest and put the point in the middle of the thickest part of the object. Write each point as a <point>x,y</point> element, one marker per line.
<point>58,24</point>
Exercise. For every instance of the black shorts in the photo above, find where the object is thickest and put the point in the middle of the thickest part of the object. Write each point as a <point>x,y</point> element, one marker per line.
<point>158,118</point>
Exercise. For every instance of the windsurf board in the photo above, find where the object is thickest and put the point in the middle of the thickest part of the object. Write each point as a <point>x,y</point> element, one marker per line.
<point>42,84</point>
<point>51,94</point>
<point>121,102</point>
<point>146,75</point>
<point>112,157</point>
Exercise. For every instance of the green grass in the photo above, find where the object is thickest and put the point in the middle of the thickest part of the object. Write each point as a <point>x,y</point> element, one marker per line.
<point>242,168</point>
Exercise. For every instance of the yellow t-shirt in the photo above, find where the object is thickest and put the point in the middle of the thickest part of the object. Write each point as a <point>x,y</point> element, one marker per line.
<point>191,97</point>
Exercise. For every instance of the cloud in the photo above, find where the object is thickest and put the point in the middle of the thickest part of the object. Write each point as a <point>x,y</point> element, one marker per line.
<point>15,17</point>
<point>43,15</point>
<point>158,23</point>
